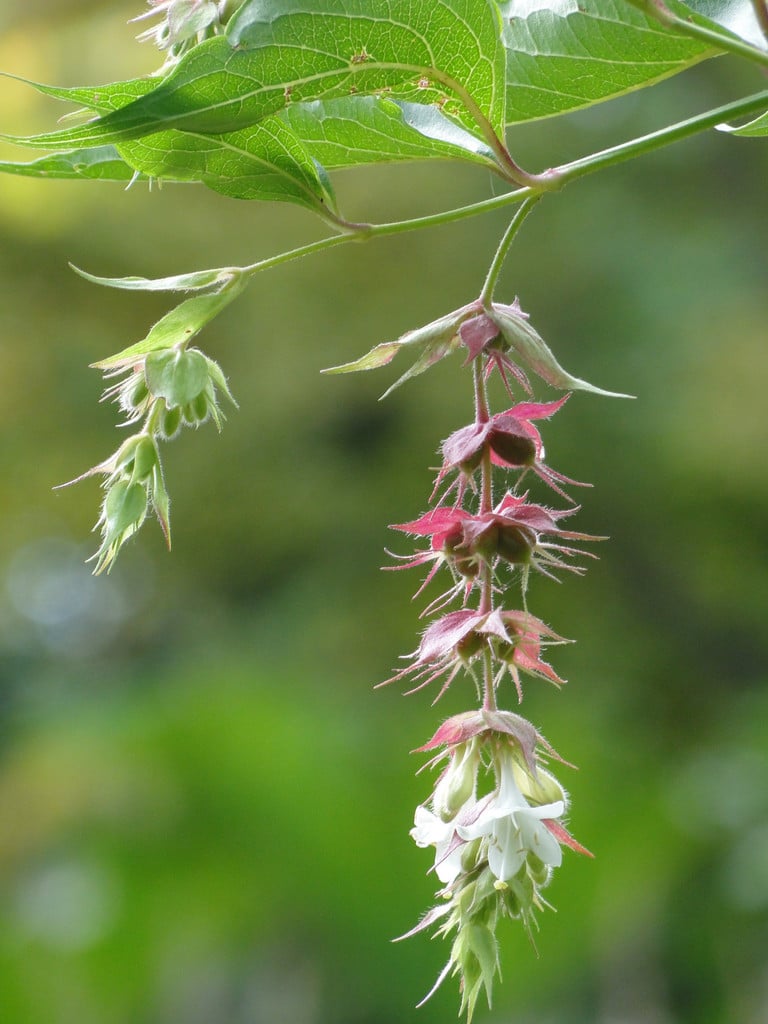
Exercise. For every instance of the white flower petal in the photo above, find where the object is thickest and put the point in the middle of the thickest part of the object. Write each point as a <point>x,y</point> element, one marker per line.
<point>538,839</point>
<point>506,853</point>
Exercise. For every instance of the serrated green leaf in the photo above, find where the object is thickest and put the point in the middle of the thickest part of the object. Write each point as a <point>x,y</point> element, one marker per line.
<point>566,54</point>
<point>276,53</point>
<point>178,326</point>
<point>103,163</point>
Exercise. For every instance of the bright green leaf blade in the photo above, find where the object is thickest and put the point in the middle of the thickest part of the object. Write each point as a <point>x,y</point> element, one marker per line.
<point>179,325</point>
<point>266,161</point>
<point>98,97</point>
<point>566,54</point>
<point>103,163</point>
<point>276,53</point>
<point>371,129</point>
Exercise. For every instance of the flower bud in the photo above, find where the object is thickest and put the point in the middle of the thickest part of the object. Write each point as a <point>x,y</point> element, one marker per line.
<point>469,646</point>
<point>514,545</point>
<point>511,444</point>
<point>457,783</point>
<point>170,422</point>
<point>125,455</point>
<point>200,407</point>
<point>138,394</point>
<point>145,459</point>
<point>539,871</point>
<point>460,557</point>
<point>539,787</point>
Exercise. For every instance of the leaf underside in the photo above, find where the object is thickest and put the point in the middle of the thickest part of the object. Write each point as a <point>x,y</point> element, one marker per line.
<point>298,87</point>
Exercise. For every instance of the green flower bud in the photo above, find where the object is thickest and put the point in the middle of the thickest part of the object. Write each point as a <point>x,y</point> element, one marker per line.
<point>457,783</point>
<point>124,508</point>
<point>539,788</point>
<point>139,393</point>
<point>197,411</point>
<point>126,453</point>
<point>170,422</point>
<point>538,870</point>
<point>145,459</point>
<point>200,407</point>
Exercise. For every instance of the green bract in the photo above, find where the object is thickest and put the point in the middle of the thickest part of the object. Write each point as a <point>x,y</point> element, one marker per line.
<point>178,377</point>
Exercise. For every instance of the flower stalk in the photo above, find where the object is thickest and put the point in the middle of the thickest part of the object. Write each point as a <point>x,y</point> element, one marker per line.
<point>496,814</point>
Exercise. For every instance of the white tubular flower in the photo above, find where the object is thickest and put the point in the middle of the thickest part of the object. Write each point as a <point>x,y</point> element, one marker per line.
<point>430,830</point>
<point>512,828</point>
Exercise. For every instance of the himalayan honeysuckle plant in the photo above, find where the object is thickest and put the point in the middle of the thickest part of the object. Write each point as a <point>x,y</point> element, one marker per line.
<point>264,100</point>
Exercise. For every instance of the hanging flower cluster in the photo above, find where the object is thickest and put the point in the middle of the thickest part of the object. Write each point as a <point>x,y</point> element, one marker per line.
<point>164,391</point>
<point>495,817</point>
<point>495,821</point>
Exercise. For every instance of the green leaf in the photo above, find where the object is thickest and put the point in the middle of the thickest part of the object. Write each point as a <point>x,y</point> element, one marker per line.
<point>266,161</point>
<point>737,17</point>
<point>102,163</point>
<point>95,97</point>
<point>199,280</point>
<point>752,130</point>
<point>372,129</point>
<point>178,326</point>
<point>567,54</point>
<point>279,52</point>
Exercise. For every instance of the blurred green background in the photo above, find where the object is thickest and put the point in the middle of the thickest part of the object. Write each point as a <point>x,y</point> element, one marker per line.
<point>204,806</point>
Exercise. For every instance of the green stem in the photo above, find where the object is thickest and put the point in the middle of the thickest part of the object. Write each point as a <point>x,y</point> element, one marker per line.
<point>486,294</point>
<point>563,174</point>
<point>663,137</point>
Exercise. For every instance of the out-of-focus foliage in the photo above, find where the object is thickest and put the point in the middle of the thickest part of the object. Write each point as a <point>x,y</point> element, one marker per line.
<point>203,805</point>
